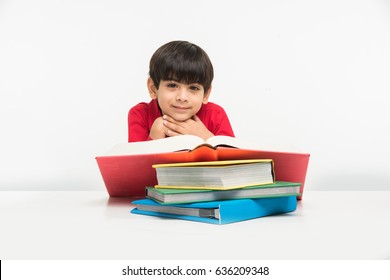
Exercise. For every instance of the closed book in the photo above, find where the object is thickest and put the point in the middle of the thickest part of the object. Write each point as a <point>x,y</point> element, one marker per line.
<point>171,196</point>
<point>215,175</point>
<point>218,212</point>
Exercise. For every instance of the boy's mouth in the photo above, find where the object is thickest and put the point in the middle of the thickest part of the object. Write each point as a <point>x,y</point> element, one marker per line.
<point>181,108</point>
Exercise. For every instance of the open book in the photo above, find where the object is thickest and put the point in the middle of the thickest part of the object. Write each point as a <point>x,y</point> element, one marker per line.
<point>170,144</point>
<point>127,169</point>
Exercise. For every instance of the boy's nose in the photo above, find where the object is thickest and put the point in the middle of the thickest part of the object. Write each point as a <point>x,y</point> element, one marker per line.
<point>182,95</point>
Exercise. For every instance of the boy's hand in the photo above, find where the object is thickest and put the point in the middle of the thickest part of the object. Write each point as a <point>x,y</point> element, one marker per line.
<point>192,126</point>
<point>158,129</point>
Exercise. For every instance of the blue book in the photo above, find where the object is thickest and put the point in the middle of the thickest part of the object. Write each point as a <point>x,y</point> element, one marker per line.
<point>218,212</point>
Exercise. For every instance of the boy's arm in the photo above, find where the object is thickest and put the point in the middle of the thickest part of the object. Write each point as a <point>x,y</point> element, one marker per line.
<point>216,120</point>
<point>221,125</point>
<point>138,129</point>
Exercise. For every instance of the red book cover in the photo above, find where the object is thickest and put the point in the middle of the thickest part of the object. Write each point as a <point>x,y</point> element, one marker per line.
<point>129,174</point>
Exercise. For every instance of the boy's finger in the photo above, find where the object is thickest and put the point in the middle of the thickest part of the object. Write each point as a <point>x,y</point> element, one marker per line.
<point>172,126</point>
<point>171,133</point>
<point>169,119</point>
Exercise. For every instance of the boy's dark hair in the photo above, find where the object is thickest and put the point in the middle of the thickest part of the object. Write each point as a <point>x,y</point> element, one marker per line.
<point>183,62</point>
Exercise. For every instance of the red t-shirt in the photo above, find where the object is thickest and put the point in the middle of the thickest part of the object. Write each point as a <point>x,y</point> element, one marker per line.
<point>142,116</point>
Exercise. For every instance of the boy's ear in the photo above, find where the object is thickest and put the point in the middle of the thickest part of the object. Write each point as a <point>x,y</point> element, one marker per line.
<point>151,88</point>
<point>207,95</point>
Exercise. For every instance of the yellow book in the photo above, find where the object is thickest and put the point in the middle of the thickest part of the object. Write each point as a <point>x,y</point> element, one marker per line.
<point>215,175</point>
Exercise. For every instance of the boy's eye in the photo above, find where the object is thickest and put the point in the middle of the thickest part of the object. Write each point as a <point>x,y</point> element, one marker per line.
<point>171,85</point>
<point>194,88</point>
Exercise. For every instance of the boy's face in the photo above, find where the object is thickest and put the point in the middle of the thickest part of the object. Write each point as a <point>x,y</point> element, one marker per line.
<point>179,101</point>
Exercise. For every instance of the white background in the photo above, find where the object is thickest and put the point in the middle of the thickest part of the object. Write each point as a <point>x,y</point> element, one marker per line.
<point>309,74</point>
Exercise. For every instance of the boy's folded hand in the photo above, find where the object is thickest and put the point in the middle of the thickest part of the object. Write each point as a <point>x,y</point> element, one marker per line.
<point>158,129</point>
<point>193,126</point>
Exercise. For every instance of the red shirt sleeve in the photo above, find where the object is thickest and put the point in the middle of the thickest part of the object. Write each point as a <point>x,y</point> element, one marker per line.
<point>224,127</point>
<point>138,126</point>
<point>215,119</point>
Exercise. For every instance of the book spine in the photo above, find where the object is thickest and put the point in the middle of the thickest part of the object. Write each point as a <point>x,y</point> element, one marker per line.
<point>203,153</point>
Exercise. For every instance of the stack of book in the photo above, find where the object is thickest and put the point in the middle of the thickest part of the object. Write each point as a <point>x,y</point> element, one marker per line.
<point>218,192</point>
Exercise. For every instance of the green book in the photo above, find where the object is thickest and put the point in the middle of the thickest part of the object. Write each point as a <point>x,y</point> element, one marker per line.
<point>177,196</point>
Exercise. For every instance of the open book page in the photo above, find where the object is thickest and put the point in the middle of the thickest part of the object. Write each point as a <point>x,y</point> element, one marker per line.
<point>190,142</point>
<point>221,140</point>
<point>250,144</point>
<point>165,145</point>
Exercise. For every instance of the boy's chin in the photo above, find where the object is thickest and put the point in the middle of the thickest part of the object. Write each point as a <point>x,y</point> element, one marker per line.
<point>181,118</point>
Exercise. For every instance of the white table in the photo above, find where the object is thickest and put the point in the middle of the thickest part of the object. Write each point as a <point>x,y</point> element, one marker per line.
<point>90,225</point>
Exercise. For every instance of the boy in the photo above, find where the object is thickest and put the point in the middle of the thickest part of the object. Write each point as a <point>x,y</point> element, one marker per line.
<point>179,83</point>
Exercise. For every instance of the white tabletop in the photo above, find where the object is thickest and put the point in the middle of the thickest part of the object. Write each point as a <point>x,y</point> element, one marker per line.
<point>90,225</point>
